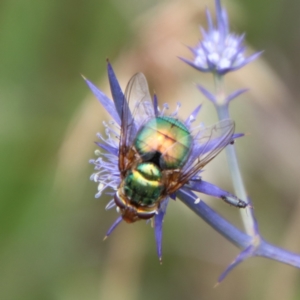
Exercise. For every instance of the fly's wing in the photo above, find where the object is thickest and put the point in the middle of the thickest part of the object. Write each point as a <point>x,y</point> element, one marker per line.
<point>208,143</point>
<point>137,109</point>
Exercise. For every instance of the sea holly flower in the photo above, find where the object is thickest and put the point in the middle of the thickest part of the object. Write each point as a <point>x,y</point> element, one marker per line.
<point>219,51</point>
<point>108,171</point>
<point>126,124</point>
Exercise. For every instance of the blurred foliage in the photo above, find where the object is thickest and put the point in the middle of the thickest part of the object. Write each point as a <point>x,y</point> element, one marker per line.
<point>51,228</point>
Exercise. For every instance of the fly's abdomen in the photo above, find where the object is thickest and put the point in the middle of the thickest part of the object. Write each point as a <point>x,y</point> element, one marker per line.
<point>165,141</point>
<point>143,185</point>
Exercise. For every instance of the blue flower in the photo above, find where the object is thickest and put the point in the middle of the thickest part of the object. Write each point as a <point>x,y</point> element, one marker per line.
<point>220,51</point>
<point>207,143</point>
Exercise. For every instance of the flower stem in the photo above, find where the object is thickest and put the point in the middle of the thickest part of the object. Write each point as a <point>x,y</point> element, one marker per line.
<point>239,187</point>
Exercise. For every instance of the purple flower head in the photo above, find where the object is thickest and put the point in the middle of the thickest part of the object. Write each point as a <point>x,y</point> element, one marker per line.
<point>119,143</point>
<point>220,51</point>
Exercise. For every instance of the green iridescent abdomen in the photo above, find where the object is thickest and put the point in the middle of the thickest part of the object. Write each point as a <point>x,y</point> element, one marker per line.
<point>164,139</point>
<point>143,185</point>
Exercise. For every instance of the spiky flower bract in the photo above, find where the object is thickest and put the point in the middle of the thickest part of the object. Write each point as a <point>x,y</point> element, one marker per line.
<point>221,52</point>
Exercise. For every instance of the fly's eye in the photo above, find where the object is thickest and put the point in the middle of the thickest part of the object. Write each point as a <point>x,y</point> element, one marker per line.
<point>145,214</point>
<point>119,201</point>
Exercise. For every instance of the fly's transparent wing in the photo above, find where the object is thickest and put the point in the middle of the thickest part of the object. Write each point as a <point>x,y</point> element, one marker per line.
<point>208,143</point>
<point>137,109</point>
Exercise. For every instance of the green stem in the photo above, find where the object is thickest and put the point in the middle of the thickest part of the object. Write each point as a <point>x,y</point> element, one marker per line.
<point>239,187</point>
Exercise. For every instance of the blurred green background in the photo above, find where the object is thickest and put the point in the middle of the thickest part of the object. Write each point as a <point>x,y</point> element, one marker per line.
<point>52,228</point>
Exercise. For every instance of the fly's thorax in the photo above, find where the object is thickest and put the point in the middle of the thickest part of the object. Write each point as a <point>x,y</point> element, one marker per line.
<point>143,184</point>
<point>165,141</point>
